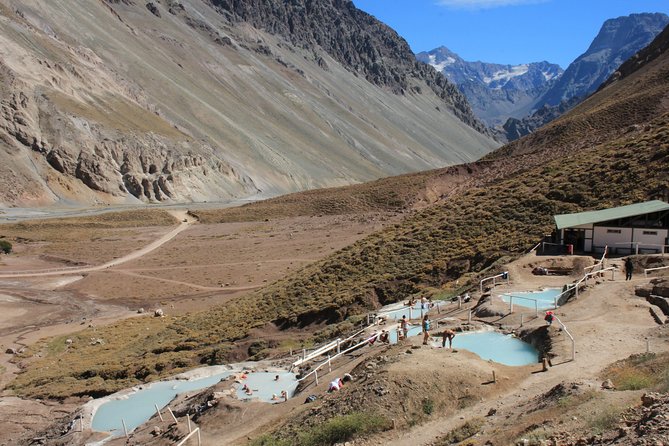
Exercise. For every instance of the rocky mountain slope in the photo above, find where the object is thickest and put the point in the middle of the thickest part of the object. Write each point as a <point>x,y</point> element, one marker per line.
<point>518,99</point>
<point>118,101</point>
<point>617,40</point>
<point>658,47</point>
<point>495,91</point>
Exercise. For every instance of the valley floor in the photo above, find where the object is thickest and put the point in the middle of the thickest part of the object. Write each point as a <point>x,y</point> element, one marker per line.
<point>608,321</point>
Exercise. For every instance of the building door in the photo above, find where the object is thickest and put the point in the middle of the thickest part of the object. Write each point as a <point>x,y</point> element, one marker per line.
<point>575,237</point>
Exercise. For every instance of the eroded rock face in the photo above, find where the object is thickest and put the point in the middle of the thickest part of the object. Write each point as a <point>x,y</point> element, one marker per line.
<point>146,166</point>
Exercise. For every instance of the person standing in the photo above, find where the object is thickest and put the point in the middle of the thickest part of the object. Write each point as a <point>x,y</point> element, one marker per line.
<point>629,267</point>
<point>426,329</point>
<point>404,325</point>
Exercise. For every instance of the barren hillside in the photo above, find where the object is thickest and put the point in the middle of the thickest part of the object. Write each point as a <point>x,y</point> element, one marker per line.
<point>119,101</point>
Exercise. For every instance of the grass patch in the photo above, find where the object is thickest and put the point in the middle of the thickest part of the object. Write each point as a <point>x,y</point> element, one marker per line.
<point>642,371</point>
<point>87,240</point>
<point>633,380</point>
<point>605,420</point>
<point>535,436</point>
<point>461,433</point>
<point>335,430</point>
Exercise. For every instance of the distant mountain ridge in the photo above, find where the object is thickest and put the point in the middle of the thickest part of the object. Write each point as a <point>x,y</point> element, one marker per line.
<point>524,97</point>
<point>618,40</point>
<point>495,91</point>
<point>657,48</point>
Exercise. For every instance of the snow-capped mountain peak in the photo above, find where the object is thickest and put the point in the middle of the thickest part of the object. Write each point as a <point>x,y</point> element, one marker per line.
<point>496,91</point>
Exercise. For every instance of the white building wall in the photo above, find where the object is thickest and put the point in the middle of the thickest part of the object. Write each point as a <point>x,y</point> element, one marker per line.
<point>587,243</point>
<point>614,240</point>
<point>648,240</point>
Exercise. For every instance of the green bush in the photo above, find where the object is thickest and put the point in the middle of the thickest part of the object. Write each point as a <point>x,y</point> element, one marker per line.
<point>428,406</point>
<point>5,247</point>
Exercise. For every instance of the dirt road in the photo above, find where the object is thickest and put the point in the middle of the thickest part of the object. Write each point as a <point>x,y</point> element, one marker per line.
<point>182,215</point>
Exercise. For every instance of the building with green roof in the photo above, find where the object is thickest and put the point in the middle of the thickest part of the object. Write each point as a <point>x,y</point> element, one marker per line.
<point>632,229</point>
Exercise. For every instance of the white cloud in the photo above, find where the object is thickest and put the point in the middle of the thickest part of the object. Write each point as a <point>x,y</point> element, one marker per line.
<point>485,4</point>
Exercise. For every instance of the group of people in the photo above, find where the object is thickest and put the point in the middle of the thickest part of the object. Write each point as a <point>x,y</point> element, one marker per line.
<point>241,377</point>
<point>446,335</point>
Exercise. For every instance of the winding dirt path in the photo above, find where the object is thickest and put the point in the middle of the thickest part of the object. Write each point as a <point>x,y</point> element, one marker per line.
<point>186,221</point>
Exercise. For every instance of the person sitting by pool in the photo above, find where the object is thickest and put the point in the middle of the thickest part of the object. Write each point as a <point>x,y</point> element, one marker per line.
<point>284,395</point>
<point>447,334</point>
<point>275,397</point>
<point>336,385</point>
<point>384,337</point>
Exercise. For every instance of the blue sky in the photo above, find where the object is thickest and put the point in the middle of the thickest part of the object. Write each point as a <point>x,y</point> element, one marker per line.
<point>504,31</point>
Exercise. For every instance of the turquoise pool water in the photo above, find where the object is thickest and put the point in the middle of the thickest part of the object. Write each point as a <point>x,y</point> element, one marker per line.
<point>498,347</point>
<point>489,345</point>
<point>545,298</point>
<point>396,311</point>
<point>138,406</point>
<point>414,330</point>
<point>264,385</point>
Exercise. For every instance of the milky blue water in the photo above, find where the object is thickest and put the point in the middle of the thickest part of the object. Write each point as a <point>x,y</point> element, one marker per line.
<point>489,345</point>
<point>545,298</point>
<point>414,330</point>
<point>264,385</point>
<point>138,407</point>
<point>415,312</point>
<point>498,347</point>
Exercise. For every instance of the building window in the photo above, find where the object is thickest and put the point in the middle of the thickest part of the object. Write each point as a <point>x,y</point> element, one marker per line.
<point>613,231</point>
<point>649,232</point>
